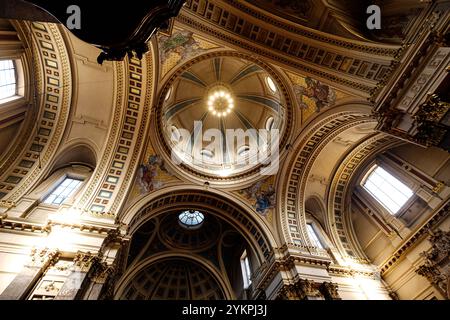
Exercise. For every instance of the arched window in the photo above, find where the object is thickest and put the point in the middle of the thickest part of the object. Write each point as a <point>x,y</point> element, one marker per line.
<point>8,80</point>
<point>313,236</point>
<point>246,272</point>
<point>63,185</point>
<point>168,94</point>
<point>387,189</point>
<point>64,190</point>
<point>176,135</point>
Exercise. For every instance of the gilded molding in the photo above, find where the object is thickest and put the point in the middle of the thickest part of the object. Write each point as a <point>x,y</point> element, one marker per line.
<point>103,165</point>
<point>157,120</point>
<point>436,267</point>
<point>292,216</point>
<point>142,132</point>
<point>375,49</point>
<point>341,183</point>
<point>43,257</point>
<point>415,238</point>
<point>281,58</point>
<point>83,261</point>
<point>53,114</point>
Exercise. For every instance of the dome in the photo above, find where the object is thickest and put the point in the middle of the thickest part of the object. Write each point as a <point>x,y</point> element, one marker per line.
<point>174,279</point>
<point>218,112</point>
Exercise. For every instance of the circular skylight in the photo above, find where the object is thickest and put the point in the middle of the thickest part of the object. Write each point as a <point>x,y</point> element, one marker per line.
<point>191,219</point>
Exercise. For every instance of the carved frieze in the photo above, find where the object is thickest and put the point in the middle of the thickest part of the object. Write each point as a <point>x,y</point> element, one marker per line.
<point>436,267</point>
<point>330,291</point>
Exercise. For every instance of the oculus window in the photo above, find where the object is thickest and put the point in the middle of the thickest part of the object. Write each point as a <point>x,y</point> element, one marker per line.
<point>8,79</point>
<point>191,219</point>
<point>63,191</point>
<point>387,190</point>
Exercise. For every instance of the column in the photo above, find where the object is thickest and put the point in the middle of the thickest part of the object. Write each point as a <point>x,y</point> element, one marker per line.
<point>330,291</point>
<point>40,260</point>
<point>76,281</point>
<point>100,278</point>
<point>303,289</point>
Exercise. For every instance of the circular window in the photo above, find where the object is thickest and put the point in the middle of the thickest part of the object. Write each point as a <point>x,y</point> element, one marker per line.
<point>270,123</point>
<point>271,84</point>
<point>244,151</point>
<point>176,135</point>
<point>191,219</point>
<point>207,153</point>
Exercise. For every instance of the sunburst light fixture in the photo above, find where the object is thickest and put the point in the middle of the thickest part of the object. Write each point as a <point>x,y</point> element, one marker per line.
<point>220,102</point>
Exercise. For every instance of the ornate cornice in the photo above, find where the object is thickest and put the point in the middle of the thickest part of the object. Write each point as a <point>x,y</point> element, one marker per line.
<point>349,272</point>
<point>23,226</point>
<point>371,48</point>
<point>415,238</point>
<point>286,264</point>
<point>362,88</point>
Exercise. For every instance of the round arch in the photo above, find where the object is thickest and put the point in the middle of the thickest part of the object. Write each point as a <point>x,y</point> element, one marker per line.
<point>128,277</point>
<point>236,212</point>
<point>294,175</point>
<point>341,187</point>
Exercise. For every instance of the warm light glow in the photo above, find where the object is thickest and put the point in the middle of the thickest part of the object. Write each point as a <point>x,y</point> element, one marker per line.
<point>63,191</point>
<point>220,103</point>
<point>7,79</point>
<point>388,190</point>
<point>225,172</point>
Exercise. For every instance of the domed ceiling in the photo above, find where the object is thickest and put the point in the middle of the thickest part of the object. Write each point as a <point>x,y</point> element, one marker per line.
<point>174,279</point>
<point>216,96</point>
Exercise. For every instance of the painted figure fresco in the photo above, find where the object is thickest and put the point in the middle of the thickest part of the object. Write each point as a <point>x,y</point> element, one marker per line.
<point>181,43</point>
<point>148,174</point>
<point>322,95</point>
<point>263,199</point>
